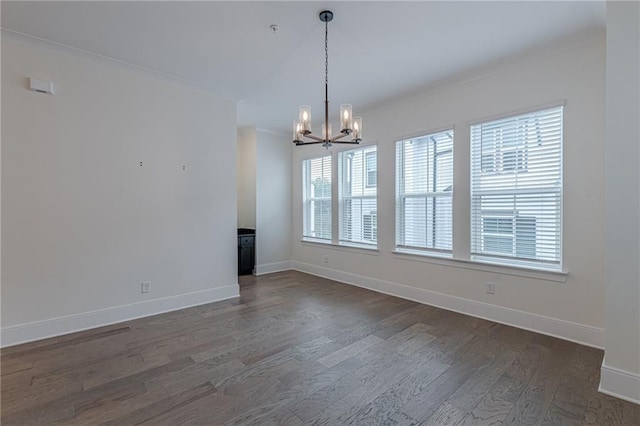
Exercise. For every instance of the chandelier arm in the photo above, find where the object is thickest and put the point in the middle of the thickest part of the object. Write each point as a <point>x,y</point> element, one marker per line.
<point>314,137</point>
<point>339,136</point>
<point>310,143</point>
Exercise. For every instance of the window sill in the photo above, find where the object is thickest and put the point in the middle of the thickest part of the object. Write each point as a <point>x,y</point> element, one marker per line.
<point>353,248</point>
<point>316,241</point>
<point>477,265</point>
<point>424,253</point>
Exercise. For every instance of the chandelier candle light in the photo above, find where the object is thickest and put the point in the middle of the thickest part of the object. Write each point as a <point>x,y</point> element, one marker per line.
<point>349,125</point>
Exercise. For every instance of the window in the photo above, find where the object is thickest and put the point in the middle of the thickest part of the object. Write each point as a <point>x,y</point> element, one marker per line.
<point>372,169</point>
<point>316,175</point>
<point>424,188</point>
<point>357,202</point>
<point>516,189</point>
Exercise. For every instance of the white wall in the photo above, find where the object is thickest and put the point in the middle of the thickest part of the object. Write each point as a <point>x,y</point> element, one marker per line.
<point>83,224</point>
<point>573,72</point>
<point>273,202</point>
<point>621,366</point>
<point>246,173</point>
<point>264,195</point>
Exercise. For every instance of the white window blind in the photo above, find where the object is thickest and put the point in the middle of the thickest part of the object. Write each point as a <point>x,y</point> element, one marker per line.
<point>358,203</point>
<point>316,197</point>
<point>516,189</point>
<point>424,189</point>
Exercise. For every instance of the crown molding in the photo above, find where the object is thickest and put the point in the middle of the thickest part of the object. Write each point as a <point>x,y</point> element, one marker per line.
<point>96,58</point>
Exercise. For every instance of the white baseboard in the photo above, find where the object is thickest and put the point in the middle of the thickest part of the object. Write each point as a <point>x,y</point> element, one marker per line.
<point>578,333</point>
<point>619,383</point>
<point>269,268</point>
<point>23,333</point>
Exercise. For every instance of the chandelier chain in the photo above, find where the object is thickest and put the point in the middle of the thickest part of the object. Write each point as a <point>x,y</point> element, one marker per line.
<point>326,53</point>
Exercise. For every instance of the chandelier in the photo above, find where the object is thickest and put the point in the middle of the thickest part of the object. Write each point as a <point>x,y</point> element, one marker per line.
<point>349,125</point>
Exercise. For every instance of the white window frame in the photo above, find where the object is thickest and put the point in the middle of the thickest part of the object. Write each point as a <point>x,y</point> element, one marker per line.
<point>402,197</point>
<point>346,172</point>
<point>308,201</point>
<point>523,164</point>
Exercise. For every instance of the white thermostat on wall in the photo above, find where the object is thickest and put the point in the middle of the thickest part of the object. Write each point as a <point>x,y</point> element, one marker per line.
<point>41,86</point>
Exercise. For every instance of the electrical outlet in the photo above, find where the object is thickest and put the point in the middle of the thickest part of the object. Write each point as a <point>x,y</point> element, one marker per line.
<point>326,259</point>
<point>491,287</point>
<point>145,287</point>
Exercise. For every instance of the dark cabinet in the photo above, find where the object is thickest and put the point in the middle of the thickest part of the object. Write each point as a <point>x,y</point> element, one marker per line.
<point>246,250</point>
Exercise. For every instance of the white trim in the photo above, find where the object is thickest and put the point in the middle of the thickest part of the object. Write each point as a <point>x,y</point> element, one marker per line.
<point>619,383</point>
<point>476,265</point>
<point>519,111</point>
<point>344,246</point>
<point>269,268</point>
<point>416,135</point>
<point>37,330</point>
<point>578,333</point>
<point>61,48</point>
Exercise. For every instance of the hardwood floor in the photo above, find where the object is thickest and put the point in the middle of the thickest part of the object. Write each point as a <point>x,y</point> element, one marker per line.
<point>297,349</point>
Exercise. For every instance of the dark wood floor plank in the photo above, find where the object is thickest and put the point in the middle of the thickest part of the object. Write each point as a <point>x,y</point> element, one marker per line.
<point>424,405</point>
<point>297,349</point>
<point>316,387</point>
<point>163,406</point>
<point>471,392</point>
<point>16,365</point>
<point>36,348</point>
<point>489,411</point>
<point>630,413</point>
<point>374,382</point>
<point>348,351</point>
<point>39,410</point>
<point>387,407</point>
<point>20,398</point>
<point>446,414</point>
<point>605,410</point>
<point>199,410</point>
<point>538,392</point>
<point>569,403</point>
<point>194,375</point>
<point>275,364</point>
<point>319,399</point>
<point>105,407</point>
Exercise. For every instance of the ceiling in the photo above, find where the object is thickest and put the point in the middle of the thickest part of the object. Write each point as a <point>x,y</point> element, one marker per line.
<point>378,51</point>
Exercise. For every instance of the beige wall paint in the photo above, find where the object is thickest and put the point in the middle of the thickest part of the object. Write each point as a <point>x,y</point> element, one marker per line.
<point>83,224</point>
<point>621,366</point>
<point>273,205</point>
<point>246,172</point>
<point>264,195</point>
